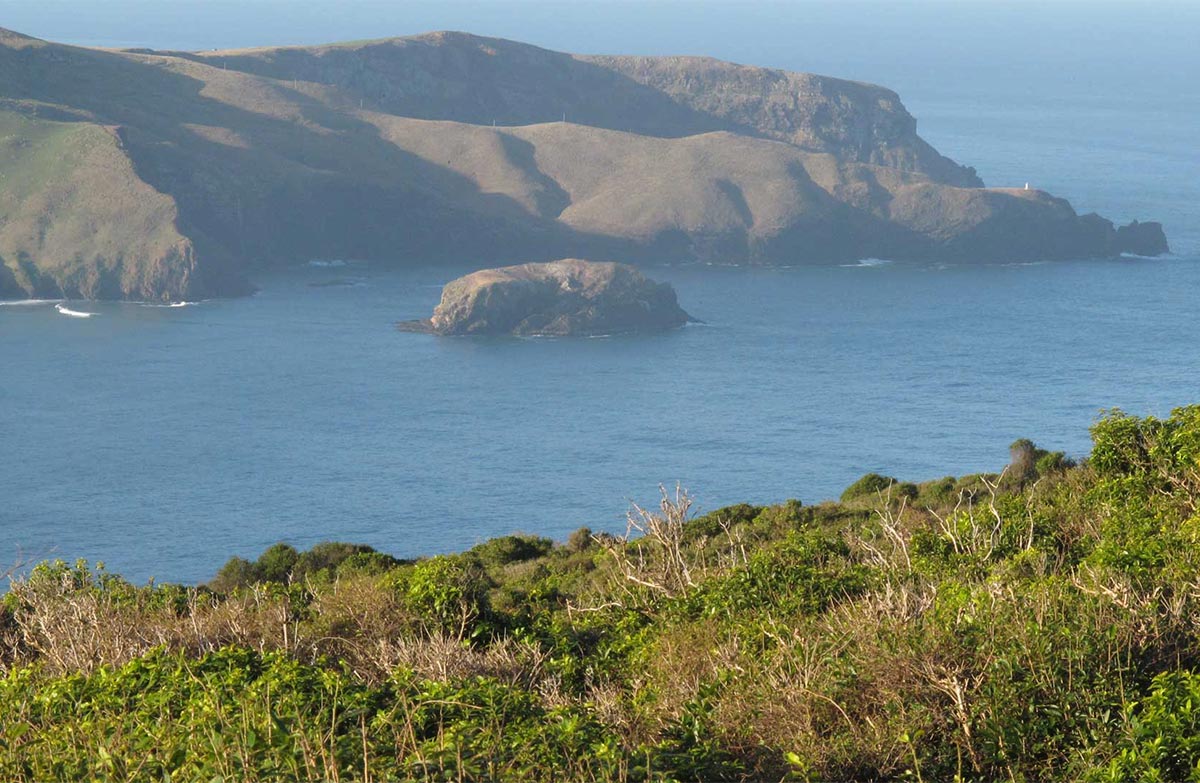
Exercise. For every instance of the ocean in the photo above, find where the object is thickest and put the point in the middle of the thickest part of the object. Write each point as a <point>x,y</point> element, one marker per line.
<point>163,440</point>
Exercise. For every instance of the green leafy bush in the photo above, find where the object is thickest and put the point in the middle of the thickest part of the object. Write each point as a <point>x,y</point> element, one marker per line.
<point>281,564</point>
<point>868,486</point>
<point>511,549</point>
<point>451,593</point>
<point>1161,734</point>
<point>239,715</point>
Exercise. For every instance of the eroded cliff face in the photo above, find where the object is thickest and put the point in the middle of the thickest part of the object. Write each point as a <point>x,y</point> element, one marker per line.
<point>564,298</point>
<point>857,122</point>
<point>149,175</point>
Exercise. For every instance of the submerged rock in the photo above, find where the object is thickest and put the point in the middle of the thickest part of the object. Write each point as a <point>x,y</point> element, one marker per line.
<point>569,297</point>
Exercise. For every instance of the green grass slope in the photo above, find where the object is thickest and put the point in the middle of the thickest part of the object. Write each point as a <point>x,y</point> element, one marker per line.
<point>76,221</point>
<point>1037,623</point>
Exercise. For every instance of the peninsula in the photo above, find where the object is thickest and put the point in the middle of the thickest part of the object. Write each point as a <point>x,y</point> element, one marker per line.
<point>166,175</point>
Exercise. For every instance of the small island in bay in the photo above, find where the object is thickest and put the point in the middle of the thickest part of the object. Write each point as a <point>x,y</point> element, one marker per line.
<point>565,298</point>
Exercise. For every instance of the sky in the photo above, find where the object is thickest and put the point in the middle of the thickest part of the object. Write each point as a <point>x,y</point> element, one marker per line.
<point>925,45</point>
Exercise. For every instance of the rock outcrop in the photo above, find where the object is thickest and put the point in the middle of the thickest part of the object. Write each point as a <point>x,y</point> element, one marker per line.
<point>1141,239</point>
<point>569,297</point>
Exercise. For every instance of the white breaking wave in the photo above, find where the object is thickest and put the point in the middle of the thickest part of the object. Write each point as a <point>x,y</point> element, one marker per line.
<point>870,262</point>
<point>73,313</point>
<point>169,304</point>
<point>334,263</point>
<point>27,302</point>
<point>1143,258</point>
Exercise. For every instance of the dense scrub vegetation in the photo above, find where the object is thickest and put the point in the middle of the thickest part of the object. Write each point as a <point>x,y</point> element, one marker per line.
<point>1040,623</point>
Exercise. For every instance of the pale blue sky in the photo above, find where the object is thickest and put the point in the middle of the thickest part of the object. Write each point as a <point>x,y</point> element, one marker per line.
<point>918,47</point>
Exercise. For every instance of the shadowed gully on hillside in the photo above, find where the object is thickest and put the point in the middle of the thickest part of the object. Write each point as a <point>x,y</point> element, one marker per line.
<point>166,175</point>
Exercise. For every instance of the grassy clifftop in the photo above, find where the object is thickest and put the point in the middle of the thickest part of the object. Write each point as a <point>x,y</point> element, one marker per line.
<point>1037,623</point>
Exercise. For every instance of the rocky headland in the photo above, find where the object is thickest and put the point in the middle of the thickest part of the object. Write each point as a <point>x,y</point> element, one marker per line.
<point>140,174</point>
<point>565,298</point>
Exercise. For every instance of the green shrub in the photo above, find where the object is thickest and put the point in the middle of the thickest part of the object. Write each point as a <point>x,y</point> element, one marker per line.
<point>580,540</point>
<point>713,523</point>
<point>237,572</point>
<point>450,593</point>
<point>240,715</point>
<point>373,563</point>
<point>868,486</point>
<point>326,557</point>
<point>276,563</point>
<point>511,549</point>
<point>939,492</point>
<point>1161,735</point>
<point>803,574</point>
<point>282,564</point>
<point>1053,462</point>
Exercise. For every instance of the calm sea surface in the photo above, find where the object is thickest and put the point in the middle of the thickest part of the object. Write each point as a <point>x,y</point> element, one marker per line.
<point>164,440</point>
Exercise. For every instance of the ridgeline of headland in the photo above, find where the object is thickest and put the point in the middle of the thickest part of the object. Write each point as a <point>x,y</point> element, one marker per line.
<point>1036,624</point>
<point>153,175</point>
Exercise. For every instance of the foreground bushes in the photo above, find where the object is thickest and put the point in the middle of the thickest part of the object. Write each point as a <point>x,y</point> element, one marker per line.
<point>240,715</point>
<point>1035,624</point>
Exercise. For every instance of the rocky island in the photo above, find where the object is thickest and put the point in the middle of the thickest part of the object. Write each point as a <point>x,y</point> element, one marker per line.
<point>168,175</point>
<point>564,298</point>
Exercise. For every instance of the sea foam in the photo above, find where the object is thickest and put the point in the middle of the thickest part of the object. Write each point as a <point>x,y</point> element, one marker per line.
<point>865,262</point>
<point>27,302</point>
<point>73,313</point>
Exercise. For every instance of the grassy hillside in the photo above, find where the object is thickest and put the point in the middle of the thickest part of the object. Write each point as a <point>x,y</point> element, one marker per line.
<point>1038,623</point>
<point>57,233</point>
<point>182,172</point>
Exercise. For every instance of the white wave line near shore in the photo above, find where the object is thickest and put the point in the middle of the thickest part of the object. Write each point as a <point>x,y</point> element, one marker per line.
<point>869,262</point>
<point>62,308</point>
<point>1136,257</point>
<point>28,302</point>
<point>168,304</point>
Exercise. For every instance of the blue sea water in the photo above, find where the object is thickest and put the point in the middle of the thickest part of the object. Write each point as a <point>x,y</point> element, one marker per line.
<point>164,440</point>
